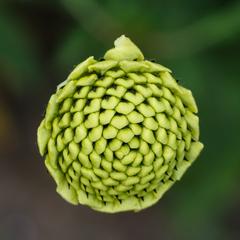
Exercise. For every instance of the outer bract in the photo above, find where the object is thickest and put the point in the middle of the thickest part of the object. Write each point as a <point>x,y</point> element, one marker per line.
<point>118,133</point>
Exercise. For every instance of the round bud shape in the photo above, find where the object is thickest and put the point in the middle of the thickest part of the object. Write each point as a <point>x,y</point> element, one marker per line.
<point>119,132</point>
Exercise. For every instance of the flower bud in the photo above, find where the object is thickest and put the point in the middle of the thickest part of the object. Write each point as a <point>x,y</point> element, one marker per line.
<point>118,133</point>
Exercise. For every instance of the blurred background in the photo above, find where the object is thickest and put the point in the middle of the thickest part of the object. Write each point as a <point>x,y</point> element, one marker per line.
<point>41,41</point>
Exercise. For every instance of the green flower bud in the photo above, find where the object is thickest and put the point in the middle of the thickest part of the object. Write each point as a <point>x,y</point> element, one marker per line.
<point>118,133</point>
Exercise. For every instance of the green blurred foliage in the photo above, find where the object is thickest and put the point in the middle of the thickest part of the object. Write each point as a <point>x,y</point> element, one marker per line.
<point>18,57</point>
<point>41,41</point>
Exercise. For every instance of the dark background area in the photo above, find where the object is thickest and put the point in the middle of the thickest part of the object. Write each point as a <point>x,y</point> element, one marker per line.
<point>41,41</point>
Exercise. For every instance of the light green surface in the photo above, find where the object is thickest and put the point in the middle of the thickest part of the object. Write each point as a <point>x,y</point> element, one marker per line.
<point>119,132</point>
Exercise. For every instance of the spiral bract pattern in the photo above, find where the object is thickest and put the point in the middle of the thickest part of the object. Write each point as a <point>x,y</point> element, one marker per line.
<point>119,132</point>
